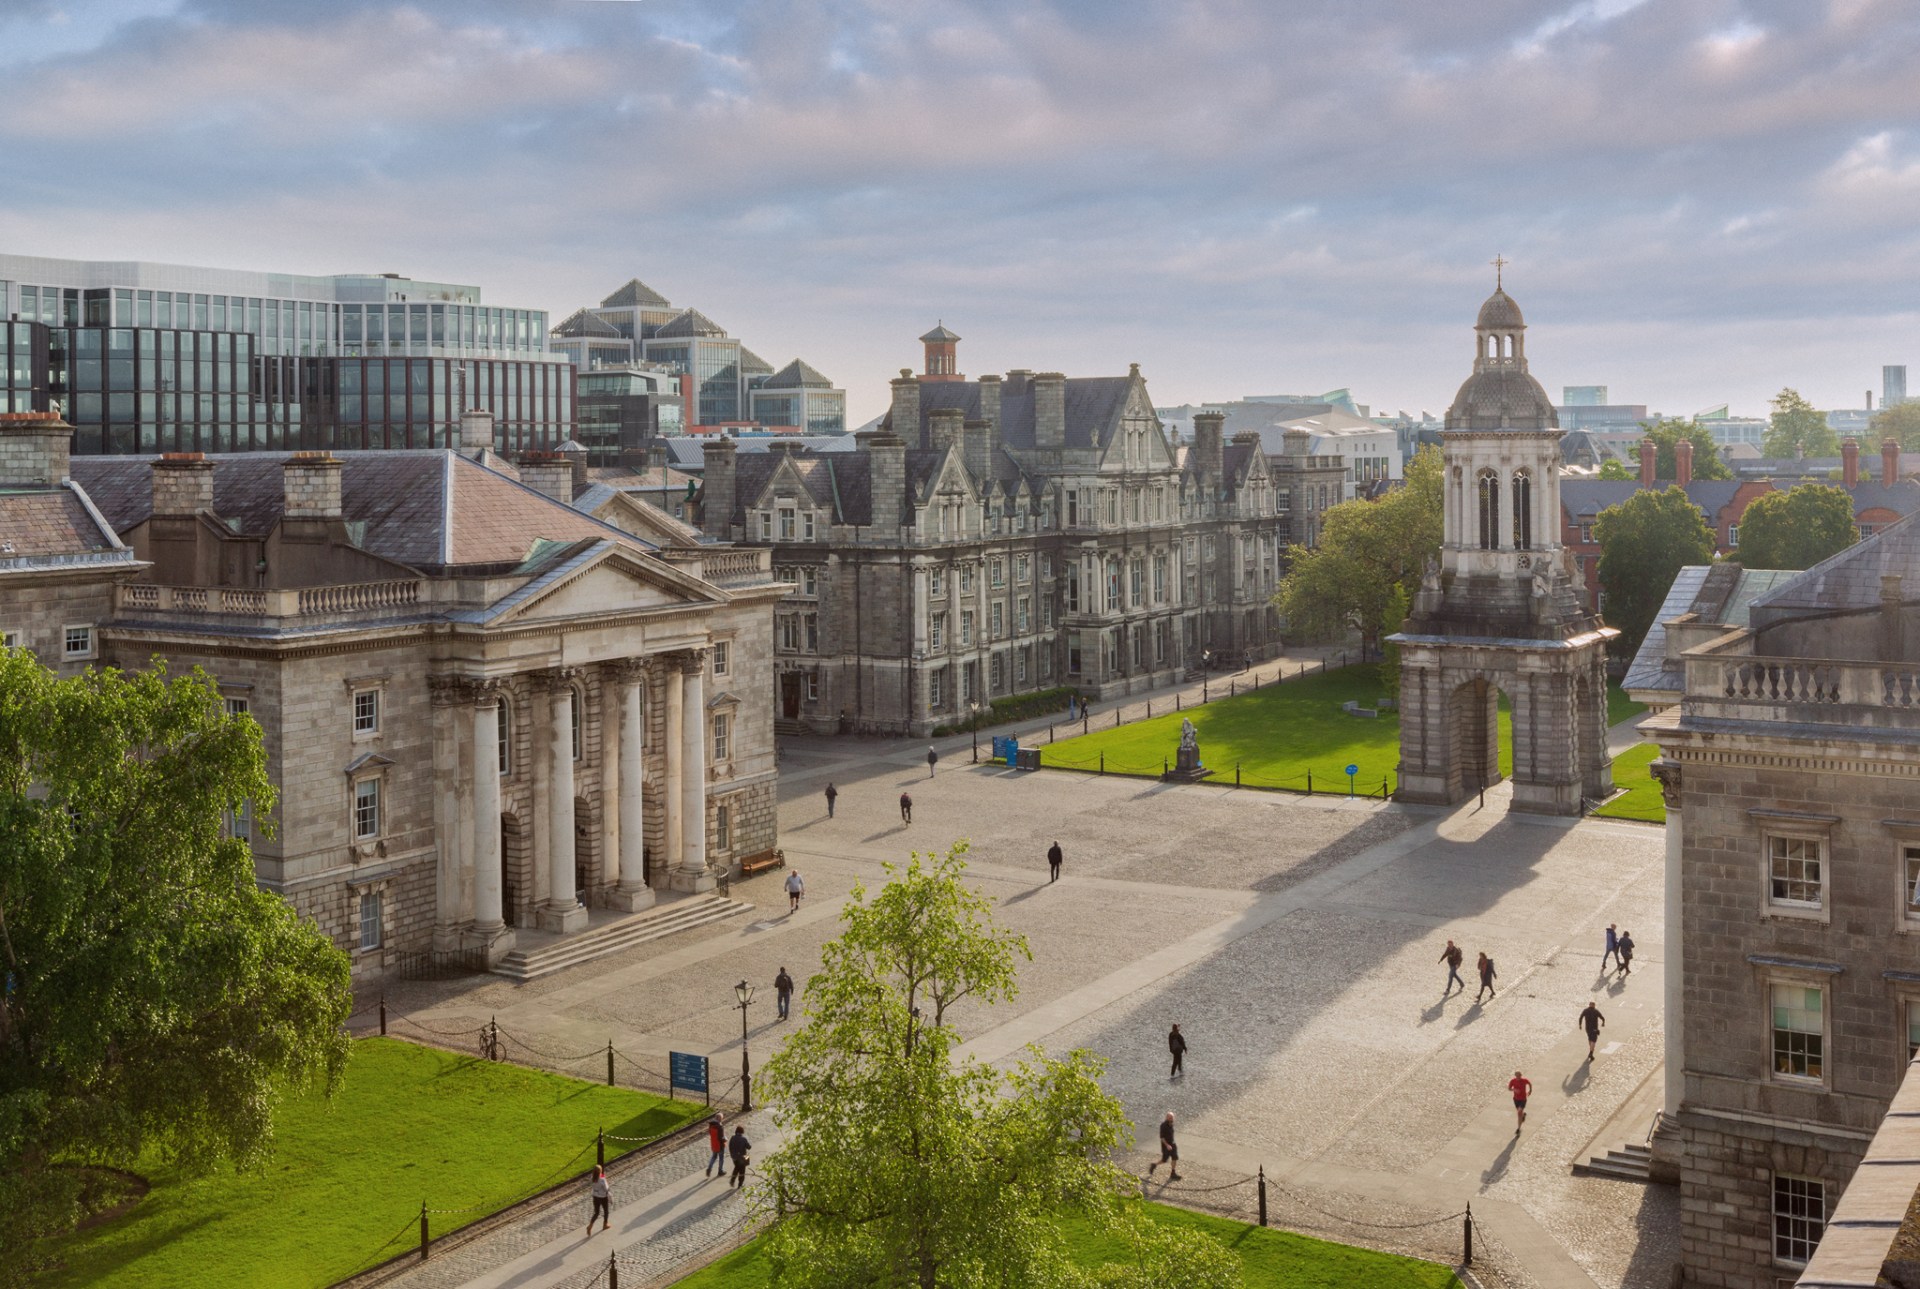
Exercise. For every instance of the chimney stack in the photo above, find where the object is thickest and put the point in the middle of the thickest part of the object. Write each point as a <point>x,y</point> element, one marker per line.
<point>548,473</point>
<point>990,402</point>
<point>887,479</point>
<point>1889,462</point>
<point>1850,461</point>
<point>311,485</point>
<point>182,485</point>
<point>1049,411</point>
<point>717,487</point>
<point>1893,634</point>
<point>476,431</point>
<point>978,449</point>
<point>1649,458</point>
<point>944,428</point>
<point>1205,455</point>
<point>35,448</point>
<point>1683,462</point>
<point>1297,442</point>
<point>905,415</point>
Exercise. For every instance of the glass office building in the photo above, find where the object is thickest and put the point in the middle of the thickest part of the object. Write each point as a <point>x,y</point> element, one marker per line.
<point>154,357</point>
<point>23,367</point>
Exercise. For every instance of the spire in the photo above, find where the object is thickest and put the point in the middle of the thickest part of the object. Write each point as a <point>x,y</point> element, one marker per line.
<point>1499,270</point>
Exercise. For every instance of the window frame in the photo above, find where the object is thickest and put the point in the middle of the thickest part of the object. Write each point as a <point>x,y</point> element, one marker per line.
<point>1787,1078</point>
<point>1777,1217</point>
<point>372,729</point>
<point>378,901</point>
<point>357,808</point>
<point>720,731</point>
<point>67,652</point>
<point>722,827</point>
<point>722,659</point>
<point>1788,828</point>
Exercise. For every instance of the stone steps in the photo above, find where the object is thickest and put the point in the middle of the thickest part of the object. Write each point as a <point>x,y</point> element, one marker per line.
<point>781,725</point>
<point>652,924</point>
<point>1630,1163</point>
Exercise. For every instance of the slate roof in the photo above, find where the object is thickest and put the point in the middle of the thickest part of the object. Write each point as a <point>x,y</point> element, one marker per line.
<point>689,322</point>
<point>1500,398</point>
<point>938,335</point>
<point>43,527</point>
<point>752,364</point>
<point>429,509</point>
<point>583,323</point>
<point>1713,593</point>
<point>635,293</point>
<point>795,375</point>
<point>1584,498</point>
<point>838,482</point>
<point>1849,580</point>
<point>1500,311</point>
<point>1093,408</point>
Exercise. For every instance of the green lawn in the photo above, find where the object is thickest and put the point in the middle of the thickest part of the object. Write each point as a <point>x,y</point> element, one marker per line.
<point>1642,799</point>
<point>411,1124</point>
<point>1269,1259</point>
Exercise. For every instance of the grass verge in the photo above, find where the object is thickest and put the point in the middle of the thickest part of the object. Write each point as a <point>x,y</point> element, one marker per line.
<point>1642,799</point>
<point>412,1123</point>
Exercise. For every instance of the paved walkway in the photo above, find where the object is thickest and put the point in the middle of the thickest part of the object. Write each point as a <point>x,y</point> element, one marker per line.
<point>1295,941</point>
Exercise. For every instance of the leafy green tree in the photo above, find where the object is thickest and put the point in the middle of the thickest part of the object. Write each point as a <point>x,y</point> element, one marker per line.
<point>1706,453</point>
<point>1644,542</point>
<point>154,996</point>
<point>1614,468</point>
<point>905,1166</point>
<point>1367,550</point>
<point>1798,429</point>
<point>1797,528</point>
<point>1901,423</point>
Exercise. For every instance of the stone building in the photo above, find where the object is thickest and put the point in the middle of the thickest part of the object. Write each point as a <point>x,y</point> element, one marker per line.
<point>1791,764</point>
<point>998,537</point>
<point>1502,611</point>
<point>488,715</point>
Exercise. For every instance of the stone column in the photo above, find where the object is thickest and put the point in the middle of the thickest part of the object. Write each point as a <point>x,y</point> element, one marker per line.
<point>671,790</point>
<point>692,874</point>
<point>1675,996</point>
<point>562,912</point>
<point>489,927</point>
<point>632,894</point>
<point>453,808</point>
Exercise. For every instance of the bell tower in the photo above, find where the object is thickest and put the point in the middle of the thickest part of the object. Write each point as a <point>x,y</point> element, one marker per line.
<point>1502,610</point>
<point>943,363</point>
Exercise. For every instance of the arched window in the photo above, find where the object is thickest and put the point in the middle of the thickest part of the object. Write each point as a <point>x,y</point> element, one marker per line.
<point>1523,509</point>
<point>1489,485</point>
<point>505,721</point>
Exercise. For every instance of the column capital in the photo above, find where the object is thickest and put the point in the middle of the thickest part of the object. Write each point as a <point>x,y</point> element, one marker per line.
<point>459,691</point>
<point>553,680</point>
<point>628,671</point>
<point>692,661</point>
<point>1667,773</point>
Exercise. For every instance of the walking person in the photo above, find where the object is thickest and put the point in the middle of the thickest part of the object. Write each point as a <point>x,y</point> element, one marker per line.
<point>1452,956</point>
<point>739,1148</point>
<point>1522,1087</point>
<point>1053,862</point>
<point>833,794</point>
<point>1591,1020</point>
<point>933,758</point>
<point>1169,1149</point>
<point>717,1143</point>
<point>1613,948</point>
<point>1626,953</point>
<point>906,808</point>
<point>1177,1044</point>
<point>796,887</point>
<point>602,1200</point>
<point>1487,973</point>
<point>783,992</point>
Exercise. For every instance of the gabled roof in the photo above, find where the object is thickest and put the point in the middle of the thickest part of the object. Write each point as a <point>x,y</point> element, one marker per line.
<point>1585,498</point>
<point>689,322</point>
<point>583,323</point>
<point>42,527</point>
<point>837,482</point>
<point>1094,405</point>
<point>635,293</point>
<point>795,375</point>
<point>1849,580</point>
<point>429,509</point>
<point>752,364</point>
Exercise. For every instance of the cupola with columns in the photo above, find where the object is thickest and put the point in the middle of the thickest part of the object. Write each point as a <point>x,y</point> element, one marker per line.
<point>943,363</point>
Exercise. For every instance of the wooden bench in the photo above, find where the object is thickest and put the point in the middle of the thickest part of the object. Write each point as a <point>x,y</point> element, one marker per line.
<point>765,861</point>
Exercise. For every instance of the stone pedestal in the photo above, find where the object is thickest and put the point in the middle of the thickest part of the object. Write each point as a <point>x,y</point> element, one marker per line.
<point>1187,767</point>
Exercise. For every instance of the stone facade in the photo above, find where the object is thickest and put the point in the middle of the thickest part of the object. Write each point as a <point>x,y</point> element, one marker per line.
<point>1502,611</point>
<point>1792,769</point>
<point>1002,536</point>
<point>395,622</point>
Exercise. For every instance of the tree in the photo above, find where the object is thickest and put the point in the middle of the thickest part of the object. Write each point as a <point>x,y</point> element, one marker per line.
<point>903,1166</point>
<point>1367,549</point>
<point>154,996</point>
<point>1797,429</point>
<point>1797,528</point>
<point>1706,453</point>
<point>1901,423</point>
<point>1614,468</point>
<point>1644,542</point>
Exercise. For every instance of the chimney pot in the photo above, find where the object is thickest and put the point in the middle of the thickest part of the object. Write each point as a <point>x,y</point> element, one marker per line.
<point>1850,461</point>
<point>1889,462</point>
<point>1649,459</point>
<point>1683,462</point>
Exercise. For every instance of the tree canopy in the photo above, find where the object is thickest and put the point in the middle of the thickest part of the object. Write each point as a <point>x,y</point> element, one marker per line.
<point>1798,429</point>
<point>1367,551</point>
<point>1901,423</point>
<point>154,996</point>
<point>1706,453</point>
<point>1614,468</point>
<point>905,1166</point>
<point>1644,541</point>
<point>1797,528</point>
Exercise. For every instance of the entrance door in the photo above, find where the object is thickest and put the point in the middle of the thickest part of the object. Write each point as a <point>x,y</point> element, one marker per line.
<point>790,695</point>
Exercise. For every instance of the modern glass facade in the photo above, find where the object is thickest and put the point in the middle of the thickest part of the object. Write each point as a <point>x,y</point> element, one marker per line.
<point>23,367</point>
<point>143,389</point>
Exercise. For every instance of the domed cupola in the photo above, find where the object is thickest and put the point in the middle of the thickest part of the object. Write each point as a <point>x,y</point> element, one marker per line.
<point>1500,395</point>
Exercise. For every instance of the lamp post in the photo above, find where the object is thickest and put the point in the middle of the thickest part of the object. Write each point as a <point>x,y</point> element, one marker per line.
<point>973,727</point>
<point>744,992</point>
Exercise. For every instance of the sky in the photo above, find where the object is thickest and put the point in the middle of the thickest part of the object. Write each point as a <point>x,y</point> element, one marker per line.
<point>1701,201</point>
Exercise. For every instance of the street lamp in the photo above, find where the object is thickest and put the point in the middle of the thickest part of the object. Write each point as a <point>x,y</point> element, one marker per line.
<point>744,992</point>
<point>973,727</point>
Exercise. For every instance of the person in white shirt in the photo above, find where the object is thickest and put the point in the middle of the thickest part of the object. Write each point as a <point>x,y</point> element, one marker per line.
<point>796,887</point>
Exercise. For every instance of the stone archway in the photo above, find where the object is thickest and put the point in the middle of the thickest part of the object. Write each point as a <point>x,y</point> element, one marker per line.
<point>1473,731</point>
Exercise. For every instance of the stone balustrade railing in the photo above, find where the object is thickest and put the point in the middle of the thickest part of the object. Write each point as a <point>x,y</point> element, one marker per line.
<point>730,566</point>
<point>1722,676</point>
<point>263,602</point>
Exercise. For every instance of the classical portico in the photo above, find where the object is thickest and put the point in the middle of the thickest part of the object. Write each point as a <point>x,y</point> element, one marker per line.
<point>1501,612</point>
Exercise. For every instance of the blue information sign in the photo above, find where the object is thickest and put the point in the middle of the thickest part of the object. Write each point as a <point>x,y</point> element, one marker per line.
<point>687,1070</point>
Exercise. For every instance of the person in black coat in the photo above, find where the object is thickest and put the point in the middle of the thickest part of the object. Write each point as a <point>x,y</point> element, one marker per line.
<point>1177,1044</point>
<point>739,1147</point>
<point>1053,862</point>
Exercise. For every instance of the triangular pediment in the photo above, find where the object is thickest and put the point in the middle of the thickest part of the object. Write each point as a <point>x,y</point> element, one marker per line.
<point>610,579</point>
<point>951,477</point>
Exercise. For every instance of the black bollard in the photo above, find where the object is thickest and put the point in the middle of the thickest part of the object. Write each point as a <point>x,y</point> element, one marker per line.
<point>383,1018</point>
<point>1103,763</point>
<point>1236,774</point>
<point>1466,1227</point>
<point>613,1271</point>
<point>1309,782</point>
<point>423,1230</point>
<point>1263,1194</point>
<point>600,1148</point>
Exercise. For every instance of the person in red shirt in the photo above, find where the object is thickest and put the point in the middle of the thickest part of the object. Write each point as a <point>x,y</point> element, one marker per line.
<point>1522,1088</point>
<point>717,1143</point>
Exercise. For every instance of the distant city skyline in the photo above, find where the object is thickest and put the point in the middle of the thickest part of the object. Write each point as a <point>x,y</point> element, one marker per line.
<point>1701,200</point>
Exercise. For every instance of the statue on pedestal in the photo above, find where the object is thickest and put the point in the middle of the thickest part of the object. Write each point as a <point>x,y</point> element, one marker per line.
<point>1187,759</point>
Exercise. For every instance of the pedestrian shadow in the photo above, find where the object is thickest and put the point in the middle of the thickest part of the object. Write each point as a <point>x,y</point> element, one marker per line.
<point>1473,1013</point>
<point>884,832</point>
<point>1576,1082</point>
<point>1027,894</point>
<point>1436,1011</point>
<point>1616,986</point>
<point>1498,1168</point>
